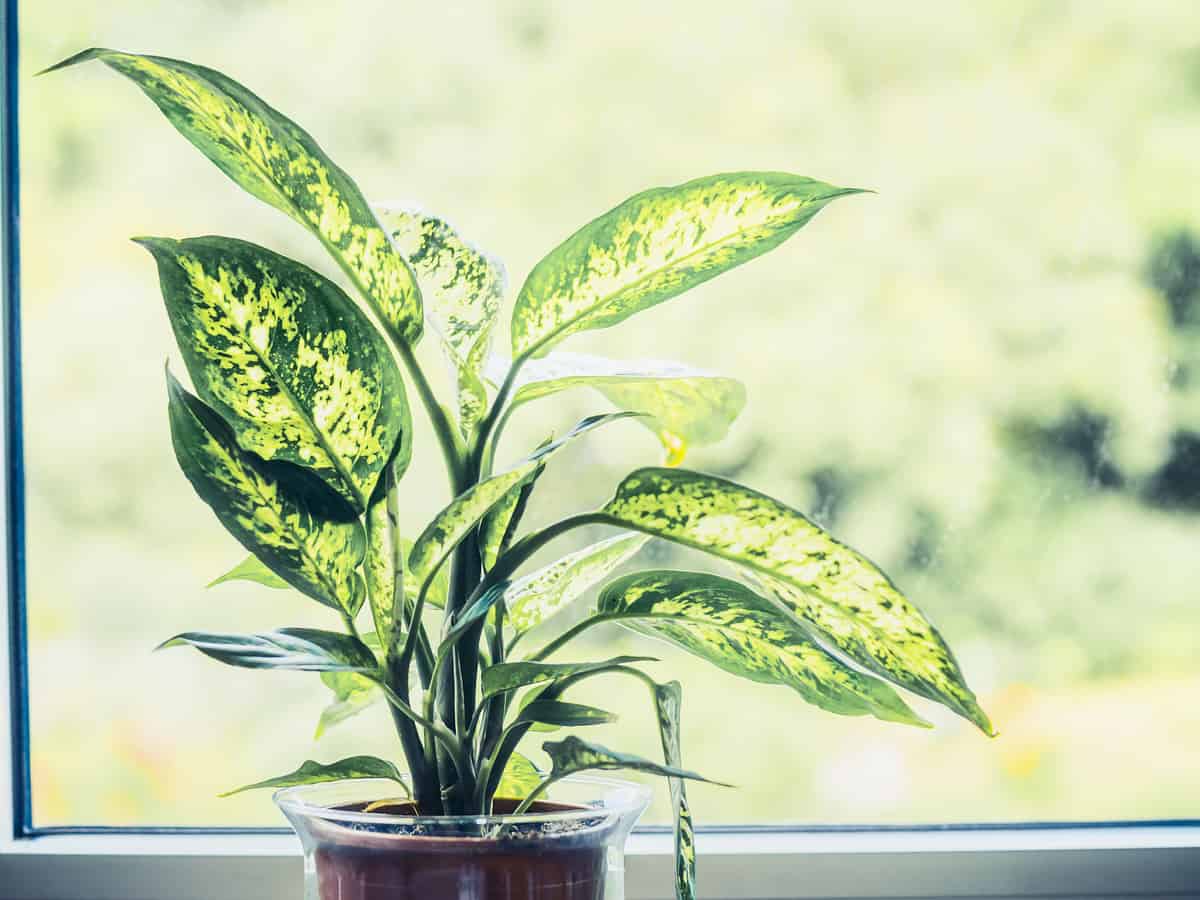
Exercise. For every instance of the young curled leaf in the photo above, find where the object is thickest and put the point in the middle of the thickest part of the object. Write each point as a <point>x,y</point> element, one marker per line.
<point>312,772</point>
<point>845,597</point>
<point>656,245</point>
<point>573,754</point>
<point>274,159</point>
<point>732,627</point>
<point>353,693</point>
<point>510,676</point>
<point>280,514</point>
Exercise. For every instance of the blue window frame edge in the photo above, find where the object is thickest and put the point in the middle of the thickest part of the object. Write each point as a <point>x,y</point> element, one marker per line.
<point>1173,843</point>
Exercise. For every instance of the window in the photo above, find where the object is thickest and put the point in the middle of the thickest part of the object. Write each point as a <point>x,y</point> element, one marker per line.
<point>983,377</point>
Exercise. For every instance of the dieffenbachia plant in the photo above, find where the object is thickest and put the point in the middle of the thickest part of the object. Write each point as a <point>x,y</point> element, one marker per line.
<point>297,433</point>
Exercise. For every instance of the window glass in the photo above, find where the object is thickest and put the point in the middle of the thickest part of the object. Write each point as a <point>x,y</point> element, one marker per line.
<point>986,376</point>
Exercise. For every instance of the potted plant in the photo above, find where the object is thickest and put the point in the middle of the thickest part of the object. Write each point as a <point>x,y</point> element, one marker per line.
<point>298,434</point>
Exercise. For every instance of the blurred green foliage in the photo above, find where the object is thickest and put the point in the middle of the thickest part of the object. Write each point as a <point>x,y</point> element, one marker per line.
<point>987,376</point>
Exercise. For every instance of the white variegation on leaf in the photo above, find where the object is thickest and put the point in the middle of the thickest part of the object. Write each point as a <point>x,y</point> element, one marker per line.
<point>463,288</point>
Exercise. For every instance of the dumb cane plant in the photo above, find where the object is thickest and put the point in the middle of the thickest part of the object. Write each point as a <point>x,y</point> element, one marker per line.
<point>299,433</point>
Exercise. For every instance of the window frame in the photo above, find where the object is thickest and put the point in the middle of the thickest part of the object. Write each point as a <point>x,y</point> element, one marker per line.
<point>1060,860</point>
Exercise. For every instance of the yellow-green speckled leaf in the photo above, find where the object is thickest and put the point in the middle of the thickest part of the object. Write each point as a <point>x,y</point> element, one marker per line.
<point>691,404</point>
<point>533,599</point>
<point>668,699</point>
<point>519,779</point>
<point>286,358</point>
<point>353,693</point>
<point>275,511</point>
<point>573,754</point>
<point>460,517</point>
<point>279,163</point>
<point>734,628</point>
<point>850,602</point>
<point>462,287</point>
<point>656,245</point>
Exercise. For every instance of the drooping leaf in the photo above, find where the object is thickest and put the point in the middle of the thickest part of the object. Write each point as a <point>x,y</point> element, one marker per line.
<point>538,596</point>
<point>294,649</point>
<point>837,590</point>
<point>463,288</point>
<point>667,702</point>
<point>656,245</point>
<point>286,358</point>
<point>510,676</point>
<point>288,528</point>
<point>564,714</point>
<point>682,403</point>
<point>279,163</point>
<point>352,693</point>
<point>251,569</point>
<point>461,516</point>
<point>311,772</point>
<point>573,754</point>
<point>729,625</point>
<point>519,779</point>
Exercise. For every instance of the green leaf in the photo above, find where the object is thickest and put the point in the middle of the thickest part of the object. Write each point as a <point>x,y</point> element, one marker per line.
<point>657,245</point>
<point>538,596</point>
<point>463,288</point>
<point>837,590</point>
<point>294,649</point>
<point>311,772</point>
<point>690,404</point>
<point>519,779</point>
<point>268,508</point>
<point>734,628</point>
<point>573,754</point>
<point>510,676</point>
<point>251,569</point>
<point>461,516</point>
<point>498,528</point>
<point>352,693</point>
<point>668,699</point>
<point>279,163</point>
<point>286,358</point>
<point>564,714</point>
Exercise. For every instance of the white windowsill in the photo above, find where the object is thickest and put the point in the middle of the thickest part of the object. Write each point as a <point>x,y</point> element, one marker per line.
<point>1144,862</point>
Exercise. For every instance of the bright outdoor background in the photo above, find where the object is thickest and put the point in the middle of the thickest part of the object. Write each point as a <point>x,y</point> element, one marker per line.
<point>986,376</point>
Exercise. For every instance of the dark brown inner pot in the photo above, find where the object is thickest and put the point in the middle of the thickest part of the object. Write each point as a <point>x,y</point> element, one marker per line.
<point>521,864</point>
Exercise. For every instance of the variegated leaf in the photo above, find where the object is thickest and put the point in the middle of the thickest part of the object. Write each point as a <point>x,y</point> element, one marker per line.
<point>734,628</point>
<point>352,693</point>
<point>251,569</point>
<point>498,528</point>
<point>279,163</point>
<point>463,288</point>
<point>846,598</point>
<point>519,779</point>
<point>681,403</point>
<point>458,519</point>
<point>668,699</point>
<point>503,677</point>
<point>286,358</point>
<point>657,245</point>
<point>294,649</point>
<point>573,754</point>
<point>538,596</point>
<point>269,509</point>
<point>311,772</point>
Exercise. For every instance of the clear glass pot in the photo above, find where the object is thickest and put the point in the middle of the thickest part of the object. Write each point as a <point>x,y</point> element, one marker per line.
<point>571,847</point>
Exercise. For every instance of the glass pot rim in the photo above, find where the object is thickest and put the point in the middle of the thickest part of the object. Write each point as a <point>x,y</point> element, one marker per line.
<point>610,796</point>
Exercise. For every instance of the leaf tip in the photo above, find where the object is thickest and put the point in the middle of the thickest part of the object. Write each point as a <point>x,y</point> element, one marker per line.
<point>81,57</point>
